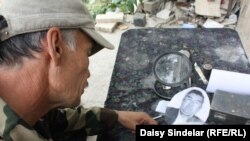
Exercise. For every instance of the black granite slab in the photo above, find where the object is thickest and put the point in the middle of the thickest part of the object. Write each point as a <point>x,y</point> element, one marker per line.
<point>132,83</point>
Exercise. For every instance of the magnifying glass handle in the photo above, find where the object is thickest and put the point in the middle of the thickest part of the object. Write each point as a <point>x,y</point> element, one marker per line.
<point>157,117</point>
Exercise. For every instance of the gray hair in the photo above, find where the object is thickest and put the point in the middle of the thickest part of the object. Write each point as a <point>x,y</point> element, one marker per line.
<point>14,49</point>
<point>196,92</point>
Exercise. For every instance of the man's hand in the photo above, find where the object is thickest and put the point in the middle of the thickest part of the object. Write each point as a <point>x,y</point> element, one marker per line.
<point>131,119</point>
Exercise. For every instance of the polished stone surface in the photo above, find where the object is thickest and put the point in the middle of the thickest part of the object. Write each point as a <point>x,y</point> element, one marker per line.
<point>132,85</point>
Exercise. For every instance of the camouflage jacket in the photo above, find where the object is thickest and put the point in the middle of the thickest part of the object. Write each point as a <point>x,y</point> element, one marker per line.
<point>57,125</point>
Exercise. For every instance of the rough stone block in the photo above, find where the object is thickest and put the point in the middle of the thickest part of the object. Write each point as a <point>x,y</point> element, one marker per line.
<point>105,27</point>
<point>109,18</point>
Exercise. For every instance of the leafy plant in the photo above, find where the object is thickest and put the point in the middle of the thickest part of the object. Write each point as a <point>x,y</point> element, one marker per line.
<point>125,6</point>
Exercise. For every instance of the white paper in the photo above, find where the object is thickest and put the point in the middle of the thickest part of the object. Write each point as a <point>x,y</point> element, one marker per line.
<point>164,14</point>
<point>229,81</point>
<point>212,24</point>
<point>162,106</point>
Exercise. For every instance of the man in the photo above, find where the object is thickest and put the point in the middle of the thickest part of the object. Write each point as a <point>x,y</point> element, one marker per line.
<point>44,53</point>
<point>191,104</point>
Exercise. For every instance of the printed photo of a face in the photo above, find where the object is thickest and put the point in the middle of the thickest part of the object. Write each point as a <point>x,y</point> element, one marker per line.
<point>191,103</point>
<point>190,106</point>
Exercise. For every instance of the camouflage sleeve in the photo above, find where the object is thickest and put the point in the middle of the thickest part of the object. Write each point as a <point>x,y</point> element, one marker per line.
<point>93,120</point>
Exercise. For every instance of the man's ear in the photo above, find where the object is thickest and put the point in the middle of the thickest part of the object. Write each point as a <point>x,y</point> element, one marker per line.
<point>54,44</point>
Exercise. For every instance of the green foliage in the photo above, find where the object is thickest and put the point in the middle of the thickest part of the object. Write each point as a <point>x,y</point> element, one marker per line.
<point>101,7</point>
<point>127,6</point>
<point>116,1</point>
<point>85,1</point>
<point>96,8</point>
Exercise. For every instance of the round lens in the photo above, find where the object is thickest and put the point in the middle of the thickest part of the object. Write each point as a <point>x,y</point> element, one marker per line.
<point>172,68</point>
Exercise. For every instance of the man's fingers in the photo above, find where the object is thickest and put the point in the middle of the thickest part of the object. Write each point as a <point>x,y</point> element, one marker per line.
<point>153,122</point>
<point>149,120</point>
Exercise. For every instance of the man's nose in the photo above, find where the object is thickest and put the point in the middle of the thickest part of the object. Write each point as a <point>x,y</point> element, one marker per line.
<point>190,104</point>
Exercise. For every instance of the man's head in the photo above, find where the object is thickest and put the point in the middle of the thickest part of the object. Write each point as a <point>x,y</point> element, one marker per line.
<point>29,16</point>
<point>191,103</point>
<point>48,44</point>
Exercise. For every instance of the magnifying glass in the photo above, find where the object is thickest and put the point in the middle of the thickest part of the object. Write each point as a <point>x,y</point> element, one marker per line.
<point>171,69</point>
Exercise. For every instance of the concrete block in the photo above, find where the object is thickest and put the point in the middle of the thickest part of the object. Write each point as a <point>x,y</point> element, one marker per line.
<point>152,7</point>
<point>110,18</point>
<point>139,19</point>
<point>105,27</point>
